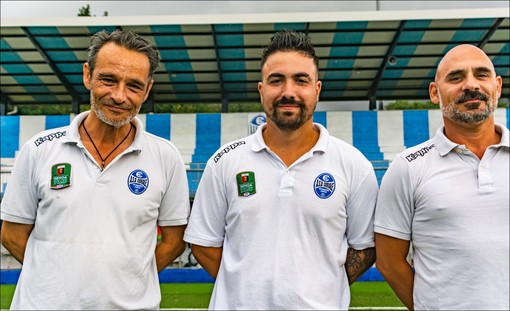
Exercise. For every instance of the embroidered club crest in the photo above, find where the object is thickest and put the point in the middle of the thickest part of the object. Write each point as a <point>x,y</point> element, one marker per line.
<point>324,185</point>
<point>60,176</point>
<point>246,184</point>
<point>138,182</point>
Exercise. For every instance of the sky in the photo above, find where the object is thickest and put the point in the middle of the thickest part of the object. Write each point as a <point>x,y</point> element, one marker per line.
<point>131,8</point>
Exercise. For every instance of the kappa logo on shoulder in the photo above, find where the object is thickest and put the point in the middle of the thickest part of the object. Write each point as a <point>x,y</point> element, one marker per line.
<point>420,153</point>
<point>49,137</point>
<point>228,149</point>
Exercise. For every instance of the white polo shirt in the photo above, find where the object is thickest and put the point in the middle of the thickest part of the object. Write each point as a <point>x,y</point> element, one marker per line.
<point>454,208</point>
<point>93,242</point>
<point>285,231</point>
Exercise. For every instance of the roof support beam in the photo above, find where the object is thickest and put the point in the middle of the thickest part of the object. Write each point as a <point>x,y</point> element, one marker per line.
<point>251,46</point>
<point>372,93</point>
<point>224,99</point>
<point>4,98</point>
<point>3,108</point>
<point>490,32</point>
<point>149,103</point>
<point>61,77</point>
<point>5,101</point>
<point>75,105</point>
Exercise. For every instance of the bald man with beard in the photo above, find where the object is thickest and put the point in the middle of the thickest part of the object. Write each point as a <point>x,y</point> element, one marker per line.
<point>448,198</point>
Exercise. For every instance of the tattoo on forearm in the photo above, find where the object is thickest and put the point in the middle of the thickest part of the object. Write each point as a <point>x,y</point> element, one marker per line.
<point>358,262</point>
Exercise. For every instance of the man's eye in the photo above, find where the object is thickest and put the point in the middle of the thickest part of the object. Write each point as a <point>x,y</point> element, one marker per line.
<point>107,81</point>
<point>135,88</point>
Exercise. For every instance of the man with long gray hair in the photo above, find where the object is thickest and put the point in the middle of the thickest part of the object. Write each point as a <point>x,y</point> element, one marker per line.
<point>84,201</point>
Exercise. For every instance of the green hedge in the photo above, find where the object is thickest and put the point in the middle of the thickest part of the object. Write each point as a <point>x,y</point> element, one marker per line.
<point>55,109</point>
<point>406,105</point>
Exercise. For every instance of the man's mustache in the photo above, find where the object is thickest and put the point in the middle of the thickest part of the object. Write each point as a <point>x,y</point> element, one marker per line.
<point>112,103</point>
<point>288,101</point>
<point>469,95</point>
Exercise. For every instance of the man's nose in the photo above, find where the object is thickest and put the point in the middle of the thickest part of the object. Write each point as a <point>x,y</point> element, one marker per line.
<point>289,90</point>
<point>471,83</point>
<point>119,94</point>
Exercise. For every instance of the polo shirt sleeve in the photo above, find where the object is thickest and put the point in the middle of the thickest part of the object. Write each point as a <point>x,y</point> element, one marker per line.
<point>360,207</point>
<point>174,209</point>
<point>208,215</point>
<point>19,203</point>
<point>395,208</point>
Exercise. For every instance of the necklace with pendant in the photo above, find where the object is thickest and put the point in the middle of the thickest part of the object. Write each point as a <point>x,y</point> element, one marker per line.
<point>97,150</point>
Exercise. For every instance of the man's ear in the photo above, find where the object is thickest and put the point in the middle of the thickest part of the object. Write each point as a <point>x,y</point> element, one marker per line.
<point>86,75</point>
<point>261,93</point>
<point>434,93</point>
<point>499,80</point>
<point>318,88</point>
<point>149,87</point>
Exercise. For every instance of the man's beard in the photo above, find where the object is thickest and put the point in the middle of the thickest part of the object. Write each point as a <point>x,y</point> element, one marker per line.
<point>102,116</point>
<point>469,117</point>
<point>285,120</point>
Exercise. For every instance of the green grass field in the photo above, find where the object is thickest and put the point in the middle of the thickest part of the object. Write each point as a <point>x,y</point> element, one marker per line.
<point>196,295</point>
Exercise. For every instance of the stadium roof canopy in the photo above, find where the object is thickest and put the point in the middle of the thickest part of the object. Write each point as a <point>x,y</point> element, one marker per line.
<point>364,56</point>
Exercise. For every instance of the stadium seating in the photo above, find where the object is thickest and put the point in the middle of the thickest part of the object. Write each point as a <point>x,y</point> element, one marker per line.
<point>380,135</point>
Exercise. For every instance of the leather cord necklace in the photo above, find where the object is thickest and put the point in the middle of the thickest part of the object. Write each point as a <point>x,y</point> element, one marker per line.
<point>97,150</point>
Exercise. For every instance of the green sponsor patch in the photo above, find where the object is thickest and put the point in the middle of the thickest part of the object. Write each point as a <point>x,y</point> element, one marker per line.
<point>246,184</point>
<point>60,176</point>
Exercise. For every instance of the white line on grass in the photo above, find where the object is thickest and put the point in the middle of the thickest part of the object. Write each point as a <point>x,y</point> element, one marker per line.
<point>378,308</point>
<point>352,308</point>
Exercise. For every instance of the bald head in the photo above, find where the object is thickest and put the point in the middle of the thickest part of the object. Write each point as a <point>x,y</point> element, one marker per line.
<point>466,86</point>
<point>461,56</point>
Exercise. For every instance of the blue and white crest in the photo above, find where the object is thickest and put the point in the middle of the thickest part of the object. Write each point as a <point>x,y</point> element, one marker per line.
<point>138,182</point>
<point>324,185</point>
<point>255,122</point>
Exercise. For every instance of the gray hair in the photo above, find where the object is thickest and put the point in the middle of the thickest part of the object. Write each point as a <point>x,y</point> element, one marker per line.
<point>125,39</point>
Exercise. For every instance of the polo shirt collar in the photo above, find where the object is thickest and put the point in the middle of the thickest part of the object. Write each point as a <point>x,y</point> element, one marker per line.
<point>505,136</point>
<point>258,141</point>
<point>73,135</point>
<point>444,145</point>
<point>321,145</point>
<point>137,142</point>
